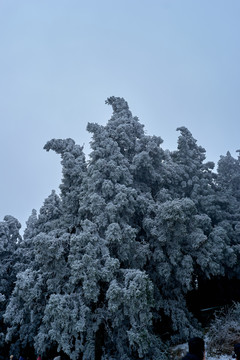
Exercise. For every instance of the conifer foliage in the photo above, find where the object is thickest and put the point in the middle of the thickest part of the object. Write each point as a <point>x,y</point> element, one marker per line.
<point>108,262</point>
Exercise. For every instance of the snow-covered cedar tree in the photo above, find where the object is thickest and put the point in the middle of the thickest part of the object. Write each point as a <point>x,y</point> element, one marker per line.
<point>104,247</point>
<point>73,169</point>
<point>181,251</point>
<point>49,219</point>
<point>194,177</point>
<point>42,270</point>
<point>46,274</point>
<point>108,243</point>
<point>49,214</point>
<point>228,175</point>
<point>228,205</point>
<point>108,263</point>
<point>9,240</point>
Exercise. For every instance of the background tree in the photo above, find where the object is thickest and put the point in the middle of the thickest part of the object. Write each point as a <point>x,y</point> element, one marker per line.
<point>9,240</point>
<point>227,207</point>
<point>40,266</point>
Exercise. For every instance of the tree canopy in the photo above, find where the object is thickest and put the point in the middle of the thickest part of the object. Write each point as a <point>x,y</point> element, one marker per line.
<point>102,272</point>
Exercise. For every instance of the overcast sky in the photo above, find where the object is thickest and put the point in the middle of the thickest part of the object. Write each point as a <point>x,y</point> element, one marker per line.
<point>176,62</point>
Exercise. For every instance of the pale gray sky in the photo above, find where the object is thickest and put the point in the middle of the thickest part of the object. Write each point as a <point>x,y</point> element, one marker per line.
<point>176,62</point>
